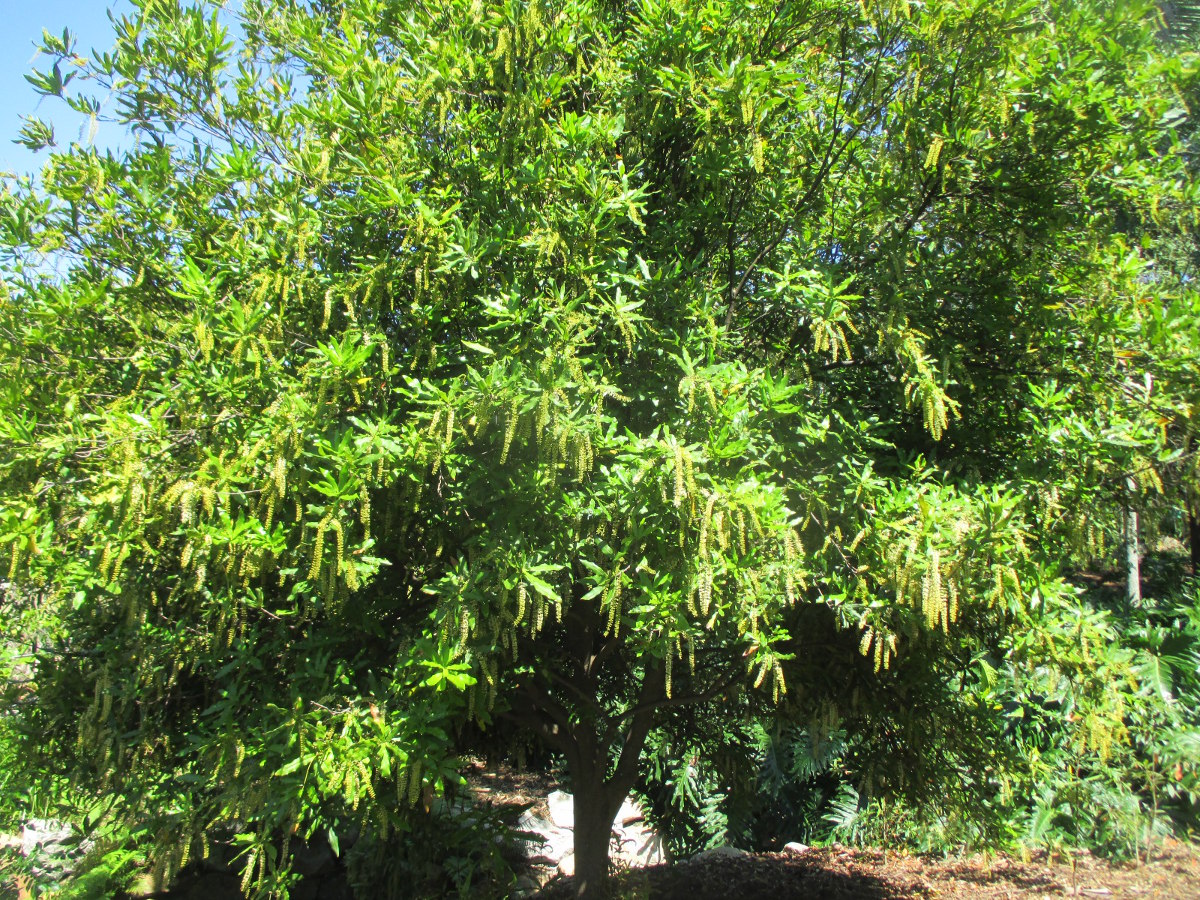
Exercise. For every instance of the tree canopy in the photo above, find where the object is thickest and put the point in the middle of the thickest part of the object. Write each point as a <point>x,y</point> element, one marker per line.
<point>424,371</point>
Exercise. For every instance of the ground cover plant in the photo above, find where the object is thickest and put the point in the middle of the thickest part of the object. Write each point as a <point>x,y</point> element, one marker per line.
<point>615,374</point>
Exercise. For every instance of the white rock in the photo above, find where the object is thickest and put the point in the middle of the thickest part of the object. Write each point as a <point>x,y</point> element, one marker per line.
<point>46,835</point>
<point>551,843</point>
<point>54,847</point>
<point>535,824</point>
<point>795,847</point>
<point>538,835</point>
<point>459,806</point>
<point>543,842</point>
<point>527,885</point>
<point>563,843</point>
<point>638,846</point>
<point>566,865</point>
<point>530,821</point>
<point>629,813</point>
<point>562,809</point>
<point>725,852</point>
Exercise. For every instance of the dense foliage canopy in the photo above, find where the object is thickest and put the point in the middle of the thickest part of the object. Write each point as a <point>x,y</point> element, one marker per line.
<point>598,370</point>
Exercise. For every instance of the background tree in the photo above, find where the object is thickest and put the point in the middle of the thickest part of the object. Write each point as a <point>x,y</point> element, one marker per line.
<point>570,364</point>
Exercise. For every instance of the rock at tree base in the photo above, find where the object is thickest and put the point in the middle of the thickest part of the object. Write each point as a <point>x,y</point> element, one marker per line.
<point>551,842</point>
<point>562,809</point>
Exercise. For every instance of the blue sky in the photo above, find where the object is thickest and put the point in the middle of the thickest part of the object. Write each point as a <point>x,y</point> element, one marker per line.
<point>21,24</point>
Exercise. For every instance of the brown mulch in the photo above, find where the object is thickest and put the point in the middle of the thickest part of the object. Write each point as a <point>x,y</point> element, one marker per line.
<point>1173,873</point>
<point>505,786</point>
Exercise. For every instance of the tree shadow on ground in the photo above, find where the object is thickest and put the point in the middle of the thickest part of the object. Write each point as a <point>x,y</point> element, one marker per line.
<point>747,877</point>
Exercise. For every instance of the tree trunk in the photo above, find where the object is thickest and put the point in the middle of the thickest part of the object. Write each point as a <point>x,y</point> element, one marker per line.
<point>1133,559</point>
<point>1194,536</point>
<point>599,795</point>
<point>600,779</point>
<point>595,810</point>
